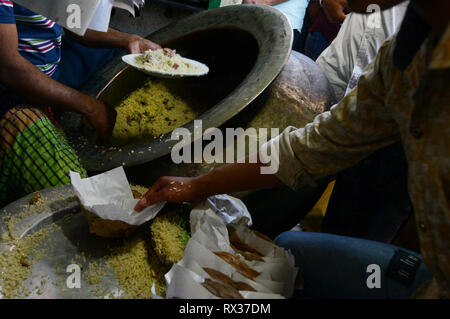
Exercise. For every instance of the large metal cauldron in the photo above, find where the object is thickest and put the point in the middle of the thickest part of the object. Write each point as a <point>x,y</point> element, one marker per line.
<point>255,82</point>
<point>245,47</point>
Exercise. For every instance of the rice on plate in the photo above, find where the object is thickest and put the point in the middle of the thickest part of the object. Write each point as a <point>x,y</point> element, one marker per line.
<point>167,60</point>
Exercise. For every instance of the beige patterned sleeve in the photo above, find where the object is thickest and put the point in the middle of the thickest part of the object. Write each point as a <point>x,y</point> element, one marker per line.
<point>339,138</point>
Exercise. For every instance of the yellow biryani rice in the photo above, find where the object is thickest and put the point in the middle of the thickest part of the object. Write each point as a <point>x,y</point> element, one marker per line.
<point>169,236</point>
<point>150,112</point>
<point>166,60</point>
<point>141,261</point>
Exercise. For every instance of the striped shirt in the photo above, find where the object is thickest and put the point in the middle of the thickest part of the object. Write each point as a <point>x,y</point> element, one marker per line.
<point>39,37</point>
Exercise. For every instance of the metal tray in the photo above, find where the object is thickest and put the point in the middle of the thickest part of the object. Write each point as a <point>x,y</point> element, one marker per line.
<point>63,247</point>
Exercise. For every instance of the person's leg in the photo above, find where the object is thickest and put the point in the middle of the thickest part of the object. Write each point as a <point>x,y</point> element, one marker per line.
<point>34,154</point>
<point>79,63</point>
<point>370,200</point>
<point>275,210</point>
<point>337,267</point>
<point>315,44</point>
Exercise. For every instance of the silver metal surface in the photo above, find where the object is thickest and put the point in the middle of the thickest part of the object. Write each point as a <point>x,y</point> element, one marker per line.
<point>63,247</point>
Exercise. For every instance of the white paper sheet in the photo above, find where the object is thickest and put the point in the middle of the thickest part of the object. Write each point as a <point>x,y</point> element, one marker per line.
<point>102,16</point>
<point>227,207</point>
<point>94,14</point>
<point>186,283</point>
<point>109,196</point>
<point>57,10</point>
<point>209,235</point>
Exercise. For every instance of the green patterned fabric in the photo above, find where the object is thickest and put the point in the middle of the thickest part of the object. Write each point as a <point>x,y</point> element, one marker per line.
<point>38,157</point>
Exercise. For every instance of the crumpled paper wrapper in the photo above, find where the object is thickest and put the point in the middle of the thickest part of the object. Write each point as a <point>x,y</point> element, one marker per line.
<point>109,197</point>
<point>225,206</point>
<point>270,278</point>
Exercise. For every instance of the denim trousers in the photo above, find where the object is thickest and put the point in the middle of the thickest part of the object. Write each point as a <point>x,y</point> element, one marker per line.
<point>334,266</point>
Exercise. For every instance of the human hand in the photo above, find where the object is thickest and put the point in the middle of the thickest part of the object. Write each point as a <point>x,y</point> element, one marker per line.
<point>173,190</point>
<point>102,118</point>
<point>334,10</point>
<point>137,44</point>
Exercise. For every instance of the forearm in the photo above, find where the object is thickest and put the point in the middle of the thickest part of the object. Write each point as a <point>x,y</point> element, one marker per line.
<point>234,178</point>
<point>22,77</point>
<point>96,39</point>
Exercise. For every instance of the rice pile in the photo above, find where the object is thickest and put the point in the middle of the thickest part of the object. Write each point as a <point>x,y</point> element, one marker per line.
<point>170,236</point>
<point>15,265</point>
<point>148,255</point>
<point>94,273</point>
<point>137,268</point>
<point>142,259</point>
<point>137,262</point>
<point>166,60</point>
<point>34,207</point>
<point>150,112</point>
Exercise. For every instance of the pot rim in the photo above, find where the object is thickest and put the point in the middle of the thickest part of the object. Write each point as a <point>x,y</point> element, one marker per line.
<point>273,33</point>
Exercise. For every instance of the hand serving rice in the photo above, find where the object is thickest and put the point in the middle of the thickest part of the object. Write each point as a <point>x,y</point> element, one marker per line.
<point>166,60</point>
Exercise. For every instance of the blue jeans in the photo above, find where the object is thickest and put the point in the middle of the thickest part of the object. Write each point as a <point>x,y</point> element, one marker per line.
<point>336,266</point>
<point>315,44</point>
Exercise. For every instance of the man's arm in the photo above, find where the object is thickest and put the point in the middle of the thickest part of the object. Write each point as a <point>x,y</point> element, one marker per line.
<point>334,10</point>
<point>359,125</point>
<point>337,139</point>
<point>226,179</point>
<point>21,76</point>
<point>131,43</point>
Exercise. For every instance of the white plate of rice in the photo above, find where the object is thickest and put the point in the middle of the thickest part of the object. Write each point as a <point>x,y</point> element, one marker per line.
<point>165,63</point>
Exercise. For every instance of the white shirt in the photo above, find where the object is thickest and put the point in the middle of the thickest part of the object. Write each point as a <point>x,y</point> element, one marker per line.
<point>295,10</point>
<point>356,45</point>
